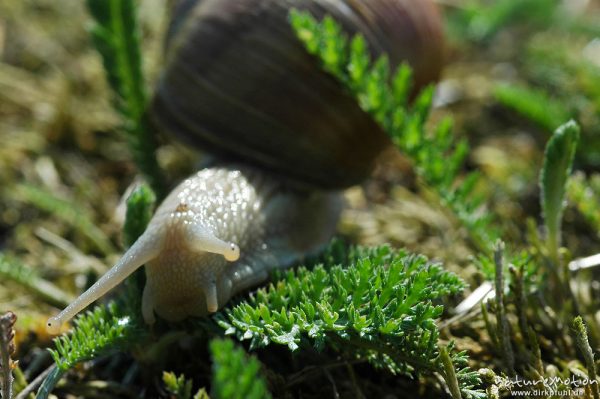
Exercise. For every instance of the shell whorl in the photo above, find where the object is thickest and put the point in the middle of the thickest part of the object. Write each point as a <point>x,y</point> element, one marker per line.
<point>239,84</point>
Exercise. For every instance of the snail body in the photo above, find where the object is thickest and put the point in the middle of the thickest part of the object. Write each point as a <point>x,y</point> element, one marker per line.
<point>287,135</point>
<point>191,246</point>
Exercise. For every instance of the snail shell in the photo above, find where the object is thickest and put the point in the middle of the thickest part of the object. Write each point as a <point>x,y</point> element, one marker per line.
<point>239,84</point>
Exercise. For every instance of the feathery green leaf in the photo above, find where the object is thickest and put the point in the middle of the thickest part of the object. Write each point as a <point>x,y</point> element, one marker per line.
<point>116,37</point>
<point>437,156</point>
<point>382,307</point>
<point>140,208</point>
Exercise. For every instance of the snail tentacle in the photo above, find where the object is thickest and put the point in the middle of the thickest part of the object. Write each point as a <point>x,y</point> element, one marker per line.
<point>146,248</point>
<point>203,240</point>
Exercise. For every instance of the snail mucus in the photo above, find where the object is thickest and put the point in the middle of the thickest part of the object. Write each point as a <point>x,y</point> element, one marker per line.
<point>287,136</point>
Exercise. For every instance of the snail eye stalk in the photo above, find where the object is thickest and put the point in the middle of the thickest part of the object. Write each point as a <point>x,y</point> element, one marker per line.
<point>201,239</point>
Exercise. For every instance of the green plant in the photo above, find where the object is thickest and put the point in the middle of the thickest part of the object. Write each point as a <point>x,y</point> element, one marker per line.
<point>534,104</point>
<point>334,320</point>
<point>583,191</point>
<point>235,374</point>
<point>178,387</point>
<point>181,388</point>
<point>558,160</point>
<point>116,37</point>
<point>140,208</point>
<point>116,325</point>
<point>535,304</point>
<point>380,307</point>
<point>372,305</point>
<point>479,20</point>
<point>97,332</point>
<point>582,342</point>
<point>436,155</point>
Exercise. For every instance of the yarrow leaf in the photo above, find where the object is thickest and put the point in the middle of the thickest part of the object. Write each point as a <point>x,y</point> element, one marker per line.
<point>384,93</point>
<point>116,36</point>
<point>381,306</point>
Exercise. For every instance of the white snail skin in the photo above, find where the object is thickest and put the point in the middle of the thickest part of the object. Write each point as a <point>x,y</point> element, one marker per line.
<point>218,233</point>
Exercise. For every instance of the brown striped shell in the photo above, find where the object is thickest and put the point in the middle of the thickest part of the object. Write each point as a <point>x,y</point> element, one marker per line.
<point>239,84</point>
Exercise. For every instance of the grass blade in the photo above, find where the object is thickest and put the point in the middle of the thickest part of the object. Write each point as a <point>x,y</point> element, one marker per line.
<point>558,160</point>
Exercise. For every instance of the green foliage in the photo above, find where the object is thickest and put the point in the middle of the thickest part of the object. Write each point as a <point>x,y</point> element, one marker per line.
<point>12,269</point>
<point>558,160</point>
<point>201,394</point>
<point>110,327</point>
<point>534,104</point>
<point>521,260</point>
<point>140,208</point>
<point>503,326</point>
<point>555,63</point>
<point>116,37</point>
<point>67,211</point>
<point>7,348</point>
<point>96,333</point>
<point>450,373</point>
<point>103,329</point>
<point>179,387</point>
<point>235,374</point>
<point>552,50</point>
<point>380,307</point>
<point>582,342</point>
<point>584,192</point>
<point>480,20</point>
<point>437,156</point>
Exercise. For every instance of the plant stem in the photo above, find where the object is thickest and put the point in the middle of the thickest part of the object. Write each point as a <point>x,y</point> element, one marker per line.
<point>7,334</point>
<point>50,382</point>
<point>581,339</point>
<point>450,373</point>
<point>24,394</point>
<point>501,320</point>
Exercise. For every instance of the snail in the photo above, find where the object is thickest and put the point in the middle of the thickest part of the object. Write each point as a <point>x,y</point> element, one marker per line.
<point>287,136</point>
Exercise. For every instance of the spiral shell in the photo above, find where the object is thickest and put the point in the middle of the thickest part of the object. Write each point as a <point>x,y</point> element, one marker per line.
<point>239,84</point>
